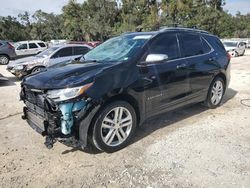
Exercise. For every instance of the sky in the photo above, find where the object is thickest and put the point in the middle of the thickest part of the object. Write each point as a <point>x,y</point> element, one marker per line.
<point>14,7</point>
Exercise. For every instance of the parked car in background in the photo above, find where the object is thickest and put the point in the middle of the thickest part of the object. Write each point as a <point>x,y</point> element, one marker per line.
<point>121,83</point>
<point>7,52</point>
<point>91,43</point>
<point>47,58</point>
<point>235,48</point>
<point>29,48</point>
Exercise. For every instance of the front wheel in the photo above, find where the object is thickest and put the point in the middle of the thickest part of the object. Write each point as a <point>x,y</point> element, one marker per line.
<point>215,93</point>
<point>114,127</point>
<point>37,69</point>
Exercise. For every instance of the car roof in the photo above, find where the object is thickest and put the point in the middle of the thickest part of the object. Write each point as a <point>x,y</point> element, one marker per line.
<point>72,45</point>
<point>168,29</point>
<point>30,41</point>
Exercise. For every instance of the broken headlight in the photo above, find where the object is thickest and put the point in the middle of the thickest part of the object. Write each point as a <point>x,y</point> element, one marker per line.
<point>58,95</point>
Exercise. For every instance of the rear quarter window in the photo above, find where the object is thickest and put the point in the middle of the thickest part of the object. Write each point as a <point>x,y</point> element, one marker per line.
<point>41,44</point>
<point>215,43</point>
<point>205,45</point>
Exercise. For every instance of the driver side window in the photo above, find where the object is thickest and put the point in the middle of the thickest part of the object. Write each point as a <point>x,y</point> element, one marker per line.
<point>165,44</point>
<point>22,47</point>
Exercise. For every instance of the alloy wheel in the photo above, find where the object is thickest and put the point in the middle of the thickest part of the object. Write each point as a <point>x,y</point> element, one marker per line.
<point>116,126</point>
<point>4,60</point>
<point>217,92</point>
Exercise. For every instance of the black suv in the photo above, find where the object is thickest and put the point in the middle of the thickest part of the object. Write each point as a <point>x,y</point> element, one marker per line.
<point>111,90</point>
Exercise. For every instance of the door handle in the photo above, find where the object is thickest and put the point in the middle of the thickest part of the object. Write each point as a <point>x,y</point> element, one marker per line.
<point>181,66</point>
<point>211,59</point>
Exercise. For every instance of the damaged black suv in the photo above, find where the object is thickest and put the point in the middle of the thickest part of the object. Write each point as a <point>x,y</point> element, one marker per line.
<point>102,97</point>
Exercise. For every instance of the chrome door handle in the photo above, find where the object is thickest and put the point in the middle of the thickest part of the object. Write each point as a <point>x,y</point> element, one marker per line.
<point>181,66</point>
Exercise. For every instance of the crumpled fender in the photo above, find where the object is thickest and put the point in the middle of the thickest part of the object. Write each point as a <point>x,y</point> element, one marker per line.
<point>85,124</point>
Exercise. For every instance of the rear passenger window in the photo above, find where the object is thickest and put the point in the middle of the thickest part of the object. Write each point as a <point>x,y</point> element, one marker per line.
<point>63,52</point>
<point>41,44</point>
<point>206,47</point>
<point>32,46</point>
<point>165,44</point>
<point>80,50</point>
<point>191,45</point>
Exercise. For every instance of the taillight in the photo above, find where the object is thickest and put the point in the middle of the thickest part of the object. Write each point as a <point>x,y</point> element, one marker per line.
<point>10,46</point>
<point>229,56</point>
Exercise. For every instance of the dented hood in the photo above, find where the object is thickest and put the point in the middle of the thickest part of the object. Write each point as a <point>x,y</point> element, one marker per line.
<point>70,75</point>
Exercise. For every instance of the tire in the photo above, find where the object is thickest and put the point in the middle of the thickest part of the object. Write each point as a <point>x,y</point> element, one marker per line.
<point>4,60</point>
<point>37,69</point>
<point>243,53</point>
<point>109,136</point>
<point>236,54</point>
<point>215,93</point>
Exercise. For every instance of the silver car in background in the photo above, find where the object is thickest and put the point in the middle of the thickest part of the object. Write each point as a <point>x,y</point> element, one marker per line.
<point>7,52</point>
<point>235,48</point>
<point>47,58</point>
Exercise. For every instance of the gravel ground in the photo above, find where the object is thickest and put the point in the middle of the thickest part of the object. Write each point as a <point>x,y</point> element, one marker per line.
<point>190,147</point>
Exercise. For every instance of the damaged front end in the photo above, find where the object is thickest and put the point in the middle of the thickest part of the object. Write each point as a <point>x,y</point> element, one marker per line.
<point>57,114</point>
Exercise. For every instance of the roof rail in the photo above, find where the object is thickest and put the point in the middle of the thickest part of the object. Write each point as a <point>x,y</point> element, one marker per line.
<point>194,28</point>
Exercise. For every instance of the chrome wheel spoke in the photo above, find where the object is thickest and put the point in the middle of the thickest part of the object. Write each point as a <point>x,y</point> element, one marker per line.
<point>120,138</point>
<point>107,120</point>
<point>122,132</point>
<point>126,124</point>
<point>110,136</point>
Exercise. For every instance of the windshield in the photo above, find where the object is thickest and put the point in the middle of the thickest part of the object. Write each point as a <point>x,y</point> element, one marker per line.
<point>119,48</point>
<point>47,52</point>
<point>230,44</point>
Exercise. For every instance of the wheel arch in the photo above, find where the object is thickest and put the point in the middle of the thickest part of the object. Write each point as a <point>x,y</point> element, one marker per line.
<point>223,76</point>
<point>5,55</point>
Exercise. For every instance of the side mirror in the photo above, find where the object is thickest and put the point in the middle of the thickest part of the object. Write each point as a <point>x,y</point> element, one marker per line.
<point>154,58</point>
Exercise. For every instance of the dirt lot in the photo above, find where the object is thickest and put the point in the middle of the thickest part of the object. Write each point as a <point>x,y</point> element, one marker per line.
<point>191,147</point>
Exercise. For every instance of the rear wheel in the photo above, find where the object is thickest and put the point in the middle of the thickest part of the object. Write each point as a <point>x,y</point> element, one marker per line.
<point>4,60</point>
<point>215,93</point>
<point>114,126</point>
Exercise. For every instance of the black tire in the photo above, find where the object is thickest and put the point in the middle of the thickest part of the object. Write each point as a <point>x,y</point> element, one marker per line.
<point>4,60</point>
<point>37,69</point>
<point>208,102</point>
<point>236,54</point>
<point>97,138</point>
<point>243,53</point>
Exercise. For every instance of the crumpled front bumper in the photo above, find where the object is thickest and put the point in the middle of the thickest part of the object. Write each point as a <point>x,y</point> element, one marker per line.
<point>57,122</point>
<point>18,73</point>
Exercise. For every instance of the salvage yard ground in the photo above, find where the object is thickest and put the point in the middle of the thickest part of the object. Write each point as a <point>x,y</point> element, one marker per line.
<point>191,147</point>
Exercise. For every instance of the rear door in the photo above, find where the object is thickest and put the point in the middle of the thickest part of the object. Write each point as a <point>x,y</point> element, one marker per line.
<point>165,83</point>
<point>201,62</point>
<point>33,48</point>
<point>62,55</point>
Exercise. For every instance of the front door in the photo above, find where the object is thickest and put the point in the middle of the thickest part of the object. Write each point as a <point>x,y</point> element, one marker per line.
<point>166,83</point>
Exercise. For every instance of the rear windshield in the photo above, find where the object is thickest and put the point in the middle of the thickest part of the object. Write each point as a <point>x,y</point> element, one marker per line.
<point>230,44</point>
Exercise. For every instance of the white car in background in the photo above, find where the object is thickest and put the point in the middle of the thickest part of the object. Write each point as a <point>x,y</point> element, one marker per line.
<point>50,57</point>
<point>29,48</point>
<point>235,48</point>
